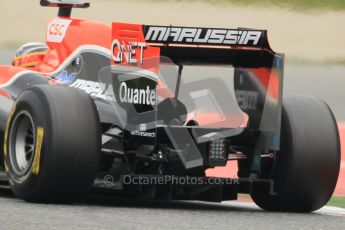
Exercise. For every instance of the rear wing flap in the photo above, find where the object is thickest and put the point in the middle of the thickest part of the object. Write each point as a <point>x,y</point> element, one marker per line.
<point>218,37</point>
<point>183,45</point>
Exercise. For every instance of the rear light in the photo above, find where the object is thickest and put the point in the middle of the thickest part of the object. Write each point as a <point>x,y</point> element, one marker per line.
<point>217,152</point>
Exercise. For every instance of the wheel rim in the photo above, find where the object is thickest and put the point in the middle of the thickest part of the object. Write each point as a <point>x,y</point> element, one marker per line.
<point>22,143</point>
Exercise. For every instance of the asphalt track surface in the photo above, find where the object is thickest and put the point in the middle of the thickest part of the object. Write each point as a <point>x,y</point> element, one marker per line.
<point>101,212</point>
<point>114,213</point>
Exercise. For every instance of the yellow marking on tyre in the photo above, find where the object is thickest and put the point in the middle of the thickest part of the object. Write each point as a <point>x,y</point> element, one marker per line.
<point>6,167</point>
<point>38,149</point>
<point>13,110</point>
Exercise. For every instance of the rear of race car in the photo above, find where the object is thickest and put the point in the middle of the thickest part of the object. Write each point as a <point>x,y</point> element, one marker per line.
<point>195,98</point>
<point>217,91</point>
<point>172,103</point>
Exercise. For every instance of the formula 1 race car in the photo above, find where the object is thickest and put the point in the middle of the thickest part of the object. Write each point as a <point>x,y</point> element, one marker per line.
<point>143,111</point>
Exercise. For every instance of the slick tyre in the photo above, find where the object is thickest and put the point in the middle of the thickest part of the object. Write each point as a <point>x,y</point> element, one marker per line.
<point>52,144</point>
<point>1,150</point>
<point>307,167</point>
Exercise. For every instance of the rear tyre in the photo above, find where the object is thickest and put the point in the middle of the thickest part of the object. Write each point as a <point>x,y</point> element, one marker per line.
<point>1,150</point>
<point>307,166</point>
<point>52,145</point>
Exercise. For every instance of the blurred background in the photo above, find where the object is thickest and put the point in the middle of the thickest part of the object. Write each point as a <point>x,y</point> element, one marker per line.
<point>310,32</point>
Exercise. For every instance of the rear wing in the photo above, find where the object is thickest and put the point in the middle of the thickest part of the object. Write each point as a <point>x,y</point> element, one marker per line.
<point>206,36</point>
<point>65,6</point>
<point>215,46</point>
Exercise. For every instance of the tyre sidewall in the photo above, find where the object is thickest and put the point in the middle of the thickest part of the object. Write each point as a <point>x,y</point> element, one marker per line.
<point>23,186</point>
